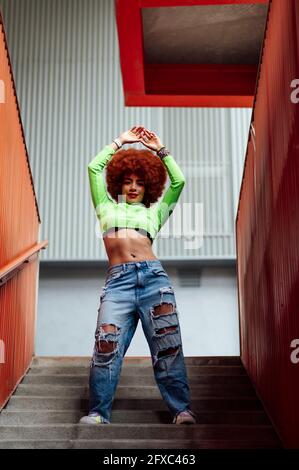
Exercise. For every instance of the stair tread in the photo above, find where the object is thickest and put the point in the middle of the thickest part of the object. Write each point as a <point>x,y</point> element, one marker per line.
<point>156,442</point>
<point>146,431</point>
<point>136,359</point>
<point>53,396</point>
<point>133,425</point>
<point>65,397</point>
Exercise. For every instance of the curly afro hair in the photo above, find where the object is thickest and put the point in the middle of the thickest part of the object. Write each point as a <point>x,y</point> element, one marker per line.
<point>142,162</point>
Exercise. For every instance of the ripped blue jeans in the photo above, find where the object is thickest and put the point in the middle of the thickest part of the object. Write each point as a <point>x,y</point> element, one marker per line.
<point>136,290</point>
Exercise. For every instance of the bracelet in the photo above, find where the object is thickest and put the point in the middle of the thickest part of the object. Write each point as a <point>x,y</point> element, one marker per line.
<point>163,152</point>
<point>118,143</point>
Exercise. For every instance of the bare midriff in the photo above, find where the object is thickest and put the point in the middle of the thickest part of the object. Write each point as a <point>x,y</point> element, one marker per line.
<point>127,245</point>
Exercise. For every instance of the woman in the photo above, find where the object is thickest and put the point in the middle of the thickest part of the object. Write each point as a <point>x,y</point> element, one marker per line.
<point>137,285</point>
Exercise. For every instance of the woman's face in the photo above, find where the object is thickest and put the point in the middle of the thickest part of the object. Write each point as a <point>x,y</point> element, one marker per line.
<point>133,188</point>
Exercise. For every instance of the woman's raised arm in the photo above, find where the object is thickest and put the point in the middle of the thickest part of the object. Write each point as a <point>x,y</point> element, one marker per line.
<point>96,167</point>
<point>177,180</point>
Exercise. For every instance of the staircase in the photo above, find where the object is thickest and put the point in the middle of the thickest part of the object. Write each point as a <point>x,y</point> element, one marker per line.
<point>47,405</point>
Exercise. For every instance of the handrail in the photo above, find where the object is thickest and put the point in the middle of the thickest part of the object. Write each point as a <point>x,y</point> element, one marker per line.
<point>14,266</point>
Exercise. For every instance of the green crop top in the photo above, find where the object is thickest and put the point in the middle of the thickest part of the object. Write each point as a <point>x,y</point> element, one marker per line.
<point>112,214</point>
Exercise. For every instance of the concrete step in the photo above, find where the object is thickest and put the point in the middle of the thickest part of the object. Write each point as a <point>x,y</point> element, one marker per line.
<point>138,392</point>
<point>10,417</point>
<point>74,379</point>
<point>138,431</point>
<point>139,444</point>
<point>46,361</point>
<point>177,444</point>
<point>46,407</point>
<point>18,402</point>
<point>140,370</point>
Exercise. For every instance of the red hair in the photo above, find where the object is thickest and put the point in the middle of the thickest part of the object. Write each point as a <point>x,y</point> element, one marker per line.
<point>142,162</point>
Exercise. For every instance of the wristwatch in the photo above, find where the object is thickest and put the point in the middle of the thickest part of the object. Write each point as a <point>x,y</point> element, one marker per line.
<point>163,152</point>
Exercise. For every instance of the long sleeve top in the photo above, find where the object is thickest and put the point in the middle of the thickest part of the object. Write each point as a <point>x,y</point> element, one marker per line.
<point>129,215</point>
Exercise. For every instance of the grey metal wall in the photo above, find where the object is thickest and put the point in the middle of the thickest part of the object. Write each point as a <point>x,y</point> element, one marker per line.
<point>66,66</point>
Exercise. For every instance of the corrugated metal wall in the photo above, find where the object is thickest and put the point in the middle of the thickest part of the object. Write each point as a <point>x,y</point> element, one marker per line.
<point>268,230</point>
<point>66,64</point>
<point>19,231</point>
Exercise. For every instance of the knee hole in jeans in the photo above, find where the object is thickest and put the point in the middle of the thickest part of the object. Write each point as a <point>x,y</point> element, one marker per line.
<point>164,308</point>
<point>106,345</point>
<point>168,351</point>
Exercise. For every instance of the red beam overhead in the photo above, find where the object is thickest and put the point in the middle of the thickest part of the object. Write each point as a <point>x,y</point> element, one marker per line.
<point>235,79</point>
<point>189,3</point>
<point>178,84</point>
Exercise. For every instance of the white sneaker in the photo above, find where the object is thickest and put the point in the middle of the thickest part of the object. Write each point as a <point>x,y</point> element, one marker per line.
<point>93,419</point>
<point>184,417</point>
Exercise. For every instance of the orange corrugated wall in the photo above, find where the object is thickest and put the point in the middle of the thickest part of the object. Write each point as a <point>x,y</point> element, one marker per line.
<point>267,226</point>
<point>19,227</point>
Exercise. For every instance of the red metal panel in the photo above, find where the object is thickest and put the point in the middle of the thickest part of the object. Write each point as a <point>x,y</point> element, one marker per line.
<point>17,328</point>
<point>267,227</point>
<point>18,233</point>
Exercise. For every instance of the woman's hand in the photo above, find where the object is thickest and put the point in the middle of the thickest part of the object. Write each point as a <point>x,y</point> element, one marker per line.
<point>150,139</point>
<point>131,136</point>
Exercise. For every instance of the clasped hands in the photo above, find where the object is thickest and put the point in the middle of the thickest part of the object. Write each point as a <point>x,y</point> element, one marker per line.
<point>140,134</point>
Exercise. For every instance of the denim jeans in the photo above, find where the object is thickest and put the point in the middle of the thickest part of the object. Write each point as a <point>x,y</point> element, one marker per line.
<point>136,290</point>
